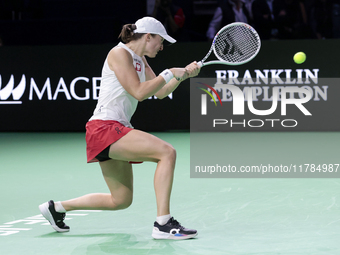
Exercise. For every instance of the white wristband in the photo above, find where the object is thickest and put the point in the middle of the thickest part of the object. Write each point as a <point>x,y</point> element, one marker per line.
<point>167,75</point>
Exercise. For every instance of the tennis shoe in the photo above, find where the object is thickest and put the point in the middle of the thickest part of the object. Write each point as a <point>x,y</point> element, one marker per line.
<point>56,219</point>
<point>172,230</point>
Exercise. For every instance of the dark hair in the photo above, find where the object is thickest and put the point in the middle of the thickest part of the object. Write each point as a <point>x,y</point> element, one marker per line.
<point>127,35</point>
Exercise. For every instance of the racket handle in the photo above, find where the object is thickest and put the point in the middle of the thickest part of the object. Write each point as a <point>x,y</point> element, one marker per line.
<point>200,64</point>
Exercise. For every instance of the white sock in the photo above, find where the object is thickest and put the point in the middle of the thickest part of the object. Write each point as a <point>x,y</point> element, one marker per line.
<point>59,207</point>
<point>163,219</point>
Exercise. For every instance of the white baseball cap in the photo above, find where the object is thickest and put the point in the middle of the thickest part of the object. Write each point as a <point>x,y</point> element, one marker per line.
<point>152,26</point>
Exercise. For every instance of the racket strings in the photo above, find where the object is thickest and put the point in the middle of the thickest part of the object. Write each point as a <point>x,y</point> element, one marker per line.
<point>236,44</point>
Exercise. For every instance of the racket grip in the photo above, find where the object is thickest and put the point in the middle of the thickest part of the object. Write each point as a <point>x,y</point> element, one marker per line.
<point>200,64</point>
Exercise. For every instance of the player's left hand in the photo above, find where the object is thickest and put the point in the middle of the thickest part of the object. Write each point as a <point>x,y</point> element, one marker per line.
<point>192,69</point>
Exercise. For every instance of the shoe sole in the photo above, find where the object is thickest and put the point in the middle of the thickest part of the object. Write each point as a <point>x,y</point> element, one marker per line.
<point>156,234</point>
<point>48,216</point>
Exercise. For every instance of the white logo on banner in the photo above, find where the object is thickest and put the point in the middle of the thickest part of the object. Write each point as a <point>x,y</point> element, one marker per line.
<point>8,90</point>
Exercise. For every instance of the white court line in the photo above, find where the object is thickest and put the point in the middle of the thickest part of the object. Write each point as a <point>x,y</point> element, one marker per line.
<point>15,229</point>
<point>7,229</point>
<point>87,211</point>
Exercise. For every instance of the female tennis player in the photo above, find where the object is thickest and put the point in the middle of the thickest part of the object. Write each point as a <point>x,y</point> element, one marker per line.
<point>126,79</point>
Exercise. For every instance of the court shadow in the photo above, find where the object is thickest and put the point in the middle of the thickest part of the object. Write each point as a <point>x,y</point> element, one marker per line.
<point>67,234</point>
<point>131,244</point>
<point>121,243</point>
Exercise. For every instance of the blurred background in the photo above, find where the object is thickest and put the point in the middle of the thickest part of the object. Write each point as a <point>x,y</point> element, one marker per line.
<point>52,52</point>
<point>46,22</point>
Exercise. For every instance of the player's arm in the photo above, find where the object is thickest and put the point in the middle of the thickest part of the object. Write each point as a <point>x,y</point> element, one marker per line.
<point>121,62</point>
<point>167,88</point>
<point>191,70</point>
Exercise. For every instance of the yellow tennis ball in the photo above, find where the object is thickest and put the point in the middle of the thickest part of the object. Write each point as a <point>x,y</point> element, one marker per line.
<point>299,58</point>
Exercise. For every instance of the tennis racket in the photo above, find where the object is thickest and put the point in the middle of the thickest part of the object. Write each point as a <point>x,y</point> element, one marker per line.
<point>235,44</point>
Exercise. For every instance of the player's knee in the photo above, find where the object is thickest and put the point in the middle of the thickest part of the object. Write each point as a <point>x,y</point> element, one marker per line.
<point>125,204</point>
<point>169,152</point>
<point>122,202</point>
<point>173,153</point>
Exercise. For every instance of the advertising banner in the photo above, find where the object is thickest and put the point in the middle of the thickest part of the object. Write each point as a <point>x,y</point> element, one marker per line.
<point>55,88</point>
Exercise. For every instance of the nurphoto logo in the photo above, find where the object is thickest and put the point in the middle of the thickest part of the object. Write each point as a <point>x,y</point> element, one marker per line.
<point>256,99</point>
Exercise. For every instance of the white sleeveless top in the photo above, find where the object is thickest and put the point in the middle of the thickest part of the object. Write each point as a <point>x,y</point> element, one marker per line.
<point>114,102</point>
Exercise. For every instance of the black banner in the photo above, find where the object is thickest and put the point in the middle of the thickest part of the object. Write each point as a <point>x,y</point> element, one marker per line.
<point>55,88</point>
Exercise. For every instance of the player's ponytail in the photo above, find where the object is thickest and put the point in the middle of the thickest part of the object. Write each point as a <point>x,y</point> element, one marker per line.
<point>127,35</point>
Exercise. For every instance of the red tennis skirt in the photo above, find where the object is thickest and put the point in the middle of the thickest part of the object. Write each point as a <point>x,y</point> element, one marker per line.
<point>100,134</point>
